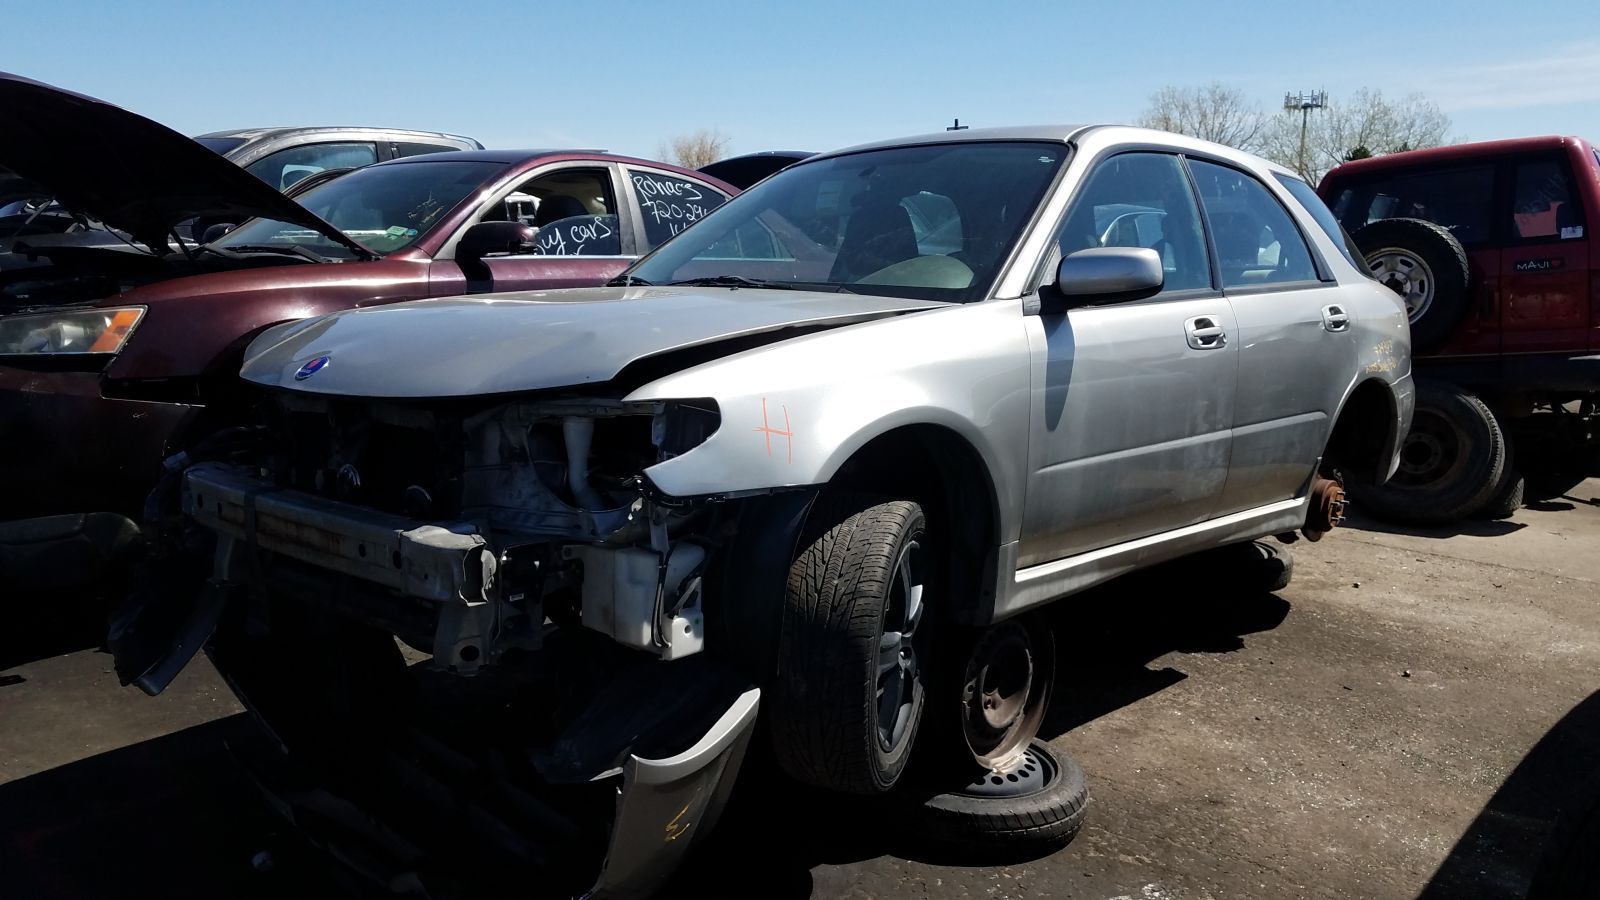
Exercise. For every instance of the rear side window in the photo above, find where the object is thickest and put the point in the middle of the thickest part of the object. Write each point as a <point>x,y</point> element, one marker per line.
<point>1459,199</point>
<point>1256,240</point>
<point>1323,216</point>
<point>1542,205</point>
<point>670,204</point>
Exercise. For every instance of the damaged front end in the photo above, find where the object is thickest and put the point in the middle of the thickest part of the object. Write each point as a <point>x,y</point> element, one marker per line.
<point>488,606</point>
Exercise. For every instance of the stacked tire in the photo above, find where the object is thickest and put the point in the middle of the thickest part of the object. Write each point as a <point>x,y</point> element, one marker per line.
<point>1457,460</point>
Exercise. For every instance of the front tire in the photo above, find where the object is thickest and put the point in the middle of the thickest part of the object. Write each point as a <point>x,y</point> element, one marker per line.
<point>849,693</point>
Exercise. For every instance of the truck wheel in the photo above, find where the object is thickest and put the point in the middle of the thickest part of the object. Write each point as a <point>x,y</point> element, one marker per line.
<point>1450,463</point>
<point>1426,266</point>
<point>1033,807</point>
<point>849,690</point>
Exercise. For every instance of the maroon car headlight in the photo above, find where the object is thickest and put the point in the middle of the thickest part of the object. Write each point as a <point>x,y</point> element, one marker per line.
<point>68,331</point>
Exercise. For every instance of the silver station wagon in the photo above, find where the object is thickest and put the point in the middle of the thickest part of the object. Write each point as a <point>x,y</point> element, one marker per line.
<point>827,451</point>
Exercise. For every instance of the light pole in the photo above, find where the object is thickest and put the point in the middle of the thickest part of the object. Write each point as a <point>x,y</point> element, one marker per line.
<point>1305,103</point>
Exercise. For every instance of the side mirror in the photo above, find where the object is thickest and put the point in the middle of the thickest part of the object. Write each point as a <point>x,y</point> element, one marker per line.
<point>1109,275</point>
<point>485,238</point>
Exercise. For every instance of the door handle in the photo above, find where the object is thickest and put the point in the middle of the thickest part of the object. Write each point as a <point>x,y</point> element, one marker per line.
<point>1205,333</point>
<point>1334,318</point>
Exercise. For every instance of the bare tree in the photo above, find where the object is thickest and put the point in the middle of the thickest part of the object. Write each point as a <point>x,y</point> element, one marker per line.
<point>1213,112</point>
<point>1362,124</point>
<point>695,149</point>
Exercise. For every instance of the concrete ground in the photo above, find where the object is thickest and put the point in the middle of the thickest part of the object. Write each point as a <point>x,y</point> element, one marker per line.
<point>1405,719</point>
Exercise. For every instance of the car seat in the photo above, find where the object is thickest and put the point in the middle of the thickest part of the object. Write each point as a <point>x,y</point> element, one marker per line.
<point>878,235</point>
<point>558,206</point>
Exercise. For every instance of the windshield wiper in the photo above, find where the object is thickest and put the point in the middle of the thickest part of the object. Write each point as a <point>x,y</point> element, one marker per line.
<point>736,281</point>
<point>627,281</point>
<point>284,249</point>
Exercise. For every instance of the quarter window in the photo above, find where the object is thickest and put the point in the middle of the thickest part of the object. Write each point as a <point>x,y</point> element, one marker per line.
<point>1542,206</point>
<point>670,204</point>
<point>284,168</point>
<point>1141,200</point>
<point>1256,241</point>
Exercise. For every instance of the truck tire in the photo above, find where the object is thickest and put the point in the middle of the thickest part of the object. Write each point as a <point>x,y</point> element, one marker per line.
<point>1033,809</point>
<point>1425,265</point>
<point>1450,464</point>
<point>849,690</point>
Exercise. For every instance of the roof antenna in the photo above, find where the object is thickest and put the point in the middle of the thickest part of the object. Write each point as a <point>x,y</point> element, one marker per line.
<point>956,126</point>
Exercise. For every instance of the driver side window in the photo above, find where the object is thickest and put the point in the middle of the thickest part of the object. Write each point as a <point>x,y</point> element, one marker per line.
<point>573,209</point>
<point>1141,200</point>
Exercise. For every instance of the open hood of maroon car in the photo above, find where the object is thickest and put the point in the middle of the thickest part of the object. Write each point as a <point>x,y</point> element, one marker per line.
<point>127,171</point>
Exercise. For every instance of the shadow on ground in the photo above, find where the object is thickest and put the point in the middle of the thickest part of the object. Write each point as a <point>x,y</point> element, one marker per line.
<point>174,816</point>
<point>1503,848</point>
<point>41,625</point>
<point>170,817</point>
<point>775,832</point>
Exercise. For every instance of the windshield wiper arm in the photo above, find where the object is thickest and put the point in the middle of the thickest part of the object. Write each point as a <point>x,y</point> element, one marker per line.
<point>285,249</point>
<point>627,281</point>
<point>736,281</point>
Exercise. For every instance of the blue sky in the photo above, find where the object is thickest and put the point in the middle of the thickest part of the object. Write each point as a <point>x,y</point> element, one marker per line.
<point>813,75</point>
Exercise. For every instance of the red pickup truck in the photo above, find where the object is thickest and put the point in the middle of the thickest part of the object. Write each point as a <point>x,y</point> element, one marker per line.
<point>1493,246</point>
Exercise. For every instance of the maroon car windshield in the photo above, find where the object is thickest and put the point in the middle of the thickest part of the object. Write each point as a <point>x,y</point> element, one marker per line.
<point>384,208</point>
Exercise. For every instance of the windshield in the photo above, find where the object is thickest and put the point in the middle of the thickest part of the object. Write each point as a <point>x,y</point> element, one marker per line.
<point>384,208</point>
<point>223,146</point>
<point>933,222</point>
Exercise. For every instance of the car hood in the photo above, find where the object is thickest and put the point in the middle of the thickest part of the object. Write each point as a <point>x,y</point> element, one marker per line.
<point>504,343</point>
<point>131,173</point>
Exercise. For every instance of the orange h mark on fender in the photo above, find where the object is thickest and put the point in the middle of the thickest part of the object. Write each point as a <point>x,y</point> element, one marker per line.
<point>767,431</point>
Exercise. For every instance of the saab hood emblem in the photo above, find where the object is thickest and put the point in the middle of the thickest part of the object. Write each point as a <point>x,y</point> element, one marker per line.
<point>311,368</point>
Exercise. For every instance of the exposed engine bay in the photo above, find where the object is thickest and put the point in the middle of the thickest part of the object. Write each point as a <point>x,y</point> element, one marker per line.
<point>519,544</point>
<point>37,272</point>
<point>496,520</point>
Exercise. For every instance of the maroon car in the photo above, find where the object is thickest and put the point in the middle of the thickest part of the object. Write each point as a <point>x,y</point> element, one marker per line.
<point>111,357</point>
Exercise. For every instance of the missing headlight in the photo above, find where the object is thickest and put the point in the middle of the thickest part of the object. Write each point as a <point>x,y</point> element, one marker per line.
<point>684,425</point>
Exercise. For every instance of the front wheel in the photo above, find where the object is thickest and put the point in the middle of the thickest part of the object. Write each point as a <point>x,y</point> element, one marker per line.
<point>852,646</point>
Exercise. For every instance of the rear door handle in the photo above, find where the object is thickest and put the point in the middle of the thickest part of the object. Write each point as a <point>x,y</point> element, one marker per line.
<point>1334,318</point>
<point>1205,333</point>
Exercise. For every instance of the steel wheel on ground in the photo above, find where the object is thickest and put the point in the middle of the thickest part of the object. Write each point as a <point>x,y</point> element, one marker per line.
<point>848,697</point>
<point>1033,806</point>
<point>1005,690</point>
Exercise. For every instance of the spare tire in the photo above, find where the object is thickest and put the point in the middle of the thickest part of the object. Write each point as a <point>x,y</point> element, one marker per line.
<point>1450,464</point>
<point>1425,265</point>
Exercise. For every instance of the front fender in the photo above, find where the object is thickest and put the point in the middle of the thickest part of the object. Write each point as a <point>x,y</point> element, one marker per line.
<point>793,413</point>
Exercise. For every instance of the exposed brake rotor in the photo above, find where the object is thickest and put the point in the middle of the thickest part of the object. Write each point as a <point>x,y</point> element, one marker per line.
<point>1327,510</point>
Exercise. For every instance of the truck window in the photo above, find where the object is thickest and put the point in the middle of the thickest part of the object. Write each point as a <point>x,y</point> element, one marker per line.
<point>1542,205</point>
<point>1459,199</point>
